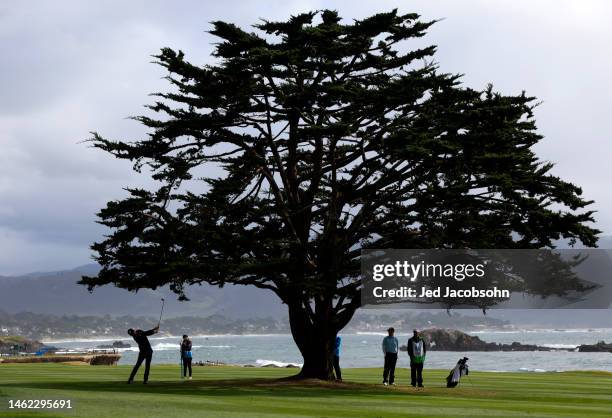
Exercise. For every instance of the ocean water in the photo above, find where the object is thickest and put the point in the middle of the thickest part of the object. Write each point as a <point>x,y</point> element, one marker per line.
<point>364,350</point>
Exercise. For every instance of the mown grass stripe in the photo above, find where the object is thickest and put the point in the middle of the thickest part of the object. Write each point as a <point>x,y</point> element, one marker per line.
<point>235,391</point>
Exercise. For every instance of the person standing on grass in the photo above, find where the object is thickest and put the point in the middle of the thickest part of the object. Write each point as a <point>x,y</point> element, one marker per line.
<point>186,355</point>
<point>337,348</point>
<point>145,352</point>
<point>390,348</point>
<point>416,350</point>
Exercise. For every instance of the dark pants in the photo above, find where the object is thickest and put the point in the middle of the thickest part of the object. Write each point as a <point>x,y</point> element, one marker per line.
<point>186,365</point>
<point>390,361</point>
<point>416,374</point>
<point>142,357</point>
<point>337,367</point>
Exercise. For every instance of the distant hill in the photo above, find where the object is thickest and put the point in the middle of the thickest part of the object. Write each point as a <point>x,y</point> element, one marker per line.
<point>57,293</point>
<point>53,327</point>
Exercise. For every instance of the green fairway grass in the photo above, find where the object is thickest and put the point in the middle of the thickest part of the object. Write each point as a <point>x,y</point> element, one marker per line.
<point>101,391</point>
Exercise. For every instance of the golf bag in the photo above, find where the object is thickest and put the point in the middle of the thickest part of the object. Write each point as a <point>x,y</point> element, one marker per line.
<point>461,369</point>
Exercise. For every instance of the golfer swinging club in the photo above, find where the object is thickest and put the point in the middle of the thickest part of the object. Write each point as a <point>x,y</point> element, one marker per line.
<point>145,352</point>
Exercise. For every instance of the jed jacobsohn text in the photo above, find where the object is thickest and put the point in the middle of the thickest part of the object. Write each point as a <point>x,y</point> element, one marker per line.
<point>412,272</point>
<point>444,292</point>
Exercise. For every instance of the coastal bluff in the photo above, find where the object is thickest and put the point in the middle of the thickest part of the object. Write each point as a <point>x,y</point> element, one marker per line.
<point>439,339</point>
<point>13,345</point>
<point>23,350</point>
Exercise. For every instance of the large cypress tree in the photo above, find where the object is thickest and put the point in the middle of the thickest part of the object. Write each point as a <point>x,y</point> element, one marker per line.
<point>309,140</point>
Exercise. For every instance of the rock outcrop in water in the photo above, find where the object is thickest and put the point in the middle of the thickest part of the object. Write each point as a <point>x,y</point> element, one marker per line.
<point>600,347</point>
<point>454,340</point>
<point>115,344</point>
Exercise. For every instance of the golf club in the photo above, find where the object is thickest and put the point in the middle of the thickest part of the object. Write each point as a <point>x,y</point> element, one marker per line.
<point>181,361</point>
<point>162,311</point>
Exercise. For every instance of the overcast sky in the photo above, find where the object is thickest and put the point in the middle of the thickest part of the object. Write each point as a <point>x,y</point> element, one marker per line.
<point>70,67</point>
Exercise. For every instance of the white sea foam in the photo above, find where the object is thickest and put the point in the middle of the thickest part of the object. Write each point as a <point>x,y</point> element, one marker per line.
<point>83,340</point>
<point>568,346</point>
<point>122,350</point>
<point>166,346</point>
<point>264,363</point>
<point>529,370</point>
<point>163,346</point>
<point>237,335</point>
<point>541,331</point>
<point>214,346</point>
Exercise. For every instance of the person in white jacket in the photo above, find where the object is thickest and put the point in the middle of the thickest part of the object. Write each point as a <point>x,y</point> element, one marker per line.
<point>416,350</point>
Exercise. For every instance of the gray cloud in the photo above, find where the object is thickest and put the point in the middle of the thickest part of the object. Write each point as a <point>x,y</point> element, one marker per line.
<point>70,67</point>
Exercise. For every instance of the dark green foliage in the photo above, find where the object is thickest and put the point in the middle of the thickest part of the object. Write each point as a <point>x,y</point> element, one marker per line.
<point>329,138</point>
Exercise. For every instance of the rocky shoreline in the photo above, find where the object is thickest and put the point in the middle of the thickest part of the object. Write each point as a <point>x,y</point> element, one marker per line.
<point>600,347</point>
<point>114,345</point>
<point>23,350</point>
<point>439,339</point>
<point>91,359</point>
<point>14,345</point>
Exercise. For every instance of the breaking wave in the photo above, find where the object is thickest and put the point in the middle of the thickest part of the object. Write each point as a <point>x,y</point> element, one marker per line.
<point>268,363</point>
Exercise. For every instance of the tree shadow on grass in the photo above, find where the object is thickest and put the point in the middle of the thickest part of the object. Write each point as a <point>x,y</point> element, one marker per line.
<point>252,387</point>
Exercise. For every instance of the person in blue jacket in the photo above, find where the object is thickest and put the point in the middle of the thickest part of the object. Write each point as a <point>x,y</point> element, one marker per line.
<point>390,348</point>
<point>186,356</point>
<point>337,348</point>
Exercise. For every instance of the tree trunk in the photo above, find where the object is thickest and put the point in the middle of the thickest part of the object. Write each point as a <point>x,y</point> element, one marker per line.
<point>318,359</point>
<point>315,337</point>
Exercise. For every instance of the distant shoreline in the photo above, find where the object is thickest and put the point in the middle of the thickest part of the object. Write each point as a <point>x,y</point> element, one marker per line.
<point>127,337</point>
<point>380,333</point>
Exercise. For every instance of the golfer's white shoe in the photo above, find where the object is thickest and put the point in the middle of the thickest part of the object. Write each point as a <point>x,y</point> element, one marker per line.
<point>385,383</point>
<point>190,378</point>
